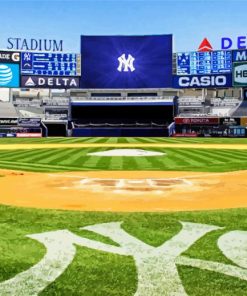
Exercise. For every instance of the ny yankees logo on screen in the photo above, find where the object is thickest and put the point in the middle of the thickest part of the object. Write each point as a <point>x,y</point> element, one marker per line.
<point>126,65</point>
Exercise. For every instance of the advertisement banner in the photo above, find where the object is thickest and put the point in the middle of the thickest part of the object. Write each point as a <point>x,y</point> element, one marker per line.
<point>34,122</point>
<point>126,61</point>
<point>243,121</point>
<point>239,55</point>
<point>49,82</point>
<point>240,74</point>
<point>9,57</point>
<point>228,121</point>
<point>197,121</point>
<point>8,121</point>
<point>28,135</point>
<point>202,81</point>
<point>56,114</point>
<point>9,75</point>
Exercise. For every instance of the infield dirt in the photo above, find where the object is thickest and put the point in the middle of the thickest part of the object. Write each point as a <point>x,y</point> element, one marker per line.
<point>124,191</point>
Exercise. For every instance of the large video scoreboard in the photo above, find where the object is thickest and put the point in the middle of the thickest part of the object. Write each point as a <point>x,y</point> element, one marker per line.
<point>201,63</point>
<point>50,64</point>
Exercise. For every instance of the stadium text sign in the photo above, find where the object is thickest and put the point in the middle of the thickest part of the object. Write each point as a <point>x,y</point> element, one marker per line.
<point>35,44</point>
<point>49,82</point>
<point>202,81</point>
<point>156,267</point>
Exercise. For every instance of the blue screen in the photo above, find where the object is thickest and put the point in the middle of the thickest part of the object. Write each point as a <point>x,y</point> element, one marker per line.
<point>9,75</point>
<point>50,64</point>
<point>126,61</point>
<point>200,63</point>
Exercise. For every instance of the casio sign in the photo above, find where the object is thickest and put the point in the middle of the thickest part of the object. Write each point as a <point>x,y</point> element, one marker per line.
<point>202,81</point>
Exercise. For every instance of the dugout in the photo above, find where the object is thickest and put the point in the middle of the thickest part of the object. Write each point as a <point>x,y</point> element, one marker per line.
<point>121,118</point>
<point>56,128</point>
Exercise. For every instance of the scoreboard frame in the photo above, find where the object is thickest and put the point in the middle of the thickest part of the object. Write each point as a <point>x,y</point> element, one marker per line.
<point>221,70</point>
<point>50,64</point>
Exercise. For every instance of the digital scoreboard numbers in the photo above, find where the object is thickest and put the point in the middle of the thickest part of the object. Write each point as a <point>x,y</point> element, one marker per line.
<point>201,63</point>
<point>50,64</point>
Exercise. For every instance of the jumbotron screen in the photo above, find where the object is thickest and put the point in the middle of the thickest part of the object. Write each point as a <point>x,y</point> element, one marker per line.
<point>126,61</point>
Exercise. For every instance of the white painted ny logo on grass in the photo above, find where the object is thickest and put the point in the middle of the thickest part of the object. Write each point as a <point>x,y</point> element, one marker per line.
<point>156,267</point>
<point>126,64</point>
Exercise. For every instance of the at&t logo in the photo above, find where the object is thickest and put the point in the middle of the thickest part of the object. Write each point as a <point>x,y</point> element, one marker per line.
<point>126,64</point>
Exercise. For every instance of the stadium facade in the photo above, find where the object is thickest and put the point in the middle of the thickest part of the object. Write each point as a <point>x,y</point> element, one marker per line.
<point>123,86</point>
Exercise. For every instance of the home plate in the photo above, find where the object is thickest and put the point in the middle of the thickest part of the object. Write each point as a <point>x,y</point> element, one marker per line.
<point>126,152</point>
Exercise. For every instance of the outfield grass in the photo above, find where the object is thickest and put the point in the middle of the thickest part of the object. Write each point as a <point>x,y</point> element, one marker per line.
<point>76,159</point>
<point>98,273</point>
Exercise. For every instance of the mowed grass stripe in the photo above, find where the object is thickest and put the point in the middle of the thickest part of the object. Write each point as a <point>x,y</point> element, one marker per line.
<point>164,162</point>
<point>142,163</point>
<point>34,167</point>
<point>214,158</point>
<point>58,155</point>
<point>27,168</point>
<point>199,157</point>
<point>17,154</point>
<point>129,162</point>
<point>222,156</point>
<point>92,162</point>
<point>48,166</point>
<point>232,155</point>
<point>76,158</point>
<point>185,159</point>
<point>37,156</point>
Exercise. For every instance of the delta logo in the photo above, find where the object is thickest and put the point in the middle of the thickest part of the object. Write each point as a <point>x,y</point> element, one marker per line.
<point>205,46</point>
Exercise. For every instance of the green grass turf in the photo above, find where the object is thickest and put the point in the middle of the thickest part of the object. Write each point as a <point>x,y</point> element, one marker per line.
<point>98,273</point>
<point>124,140</point>
<point>76,159</point>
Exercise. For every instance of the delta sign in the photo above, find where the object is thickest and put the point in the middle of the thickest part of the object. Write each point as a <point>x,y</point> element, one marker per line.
<point>239,42</point>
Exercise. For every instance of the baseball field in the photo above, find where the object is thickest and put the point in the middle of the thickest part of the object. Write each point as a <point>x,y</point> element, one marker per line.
<point>123,216</point>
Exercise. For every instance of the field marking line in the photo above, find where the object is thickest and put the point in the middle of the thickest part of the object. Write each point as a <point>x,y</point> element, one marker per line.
<point>167,178</point>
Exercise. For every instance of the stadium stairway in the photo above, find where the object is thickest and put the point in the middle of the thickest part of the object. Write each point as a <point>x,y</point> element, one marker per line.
<point>7,110</point>
<point>241,110</point>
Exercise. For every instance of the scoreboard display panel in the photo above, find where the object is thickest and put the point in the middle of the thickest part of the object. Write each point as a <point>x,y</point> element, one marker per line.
<point>126,61</point>
<point>201,63</point>
<point>50,64</point>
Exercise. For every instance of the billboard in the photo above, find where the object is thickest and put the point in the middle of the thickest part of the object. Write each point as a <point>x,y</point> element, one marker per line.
<point>9,75</point>
<point>49,82</point>
<point>195,121</point>
<point>239,74</point>
<point>202,63</point>
<point>50,64</point>
<point>29,122</point>
<point>239,55</point>
<point>9,57</point>
<point>202,81</point>
<point>126,61</point>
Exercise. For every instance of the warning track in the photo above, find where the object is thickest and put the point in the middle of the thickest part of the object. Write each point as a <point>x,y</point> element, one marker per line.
<point>123,145</point>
